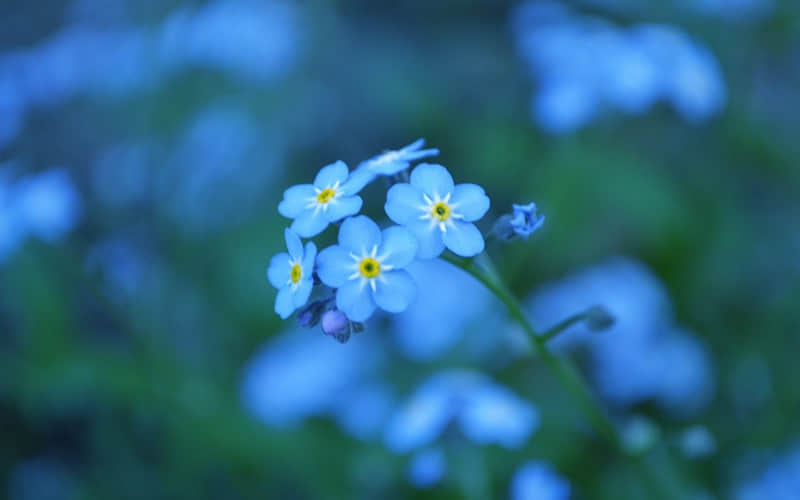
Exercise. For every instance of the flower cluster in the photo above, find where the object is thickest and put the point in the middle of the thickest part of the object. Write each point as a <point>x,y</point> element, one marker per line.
<point>366,269</point>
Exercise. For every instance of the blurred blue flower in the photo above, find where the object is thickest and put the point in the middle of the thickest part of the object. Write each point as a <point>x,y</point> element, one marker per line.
<point>252,40</point>
<point>536,480</point>
<point>525,221</point>
<point>48,204</point>
<point>364,410</point>
<point>486,412</point>
<point>643,356</point>
<point>448,305</point>
<point>439,213</point>
<point>427,468</point>
<point>367,268</point>
<point>697,442</point>
<point>292,274</point>
<point>780,480</point>
<point>300,374</point>
<point>394,161</point>
<point>584,64</point>
<point>332,197</point>
<point>120,173</point>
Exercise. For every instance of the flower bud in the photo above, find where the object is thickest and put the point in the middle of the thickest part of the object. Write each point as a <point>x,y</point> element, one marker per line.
<point>522,222</point>
<point>336,324</point>
<point>310,315</point>
<point>598,319</point>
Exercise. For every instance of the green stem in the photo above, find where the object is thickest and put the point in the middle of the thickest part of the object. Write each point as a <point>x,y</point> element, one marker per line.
<point>563,369</point>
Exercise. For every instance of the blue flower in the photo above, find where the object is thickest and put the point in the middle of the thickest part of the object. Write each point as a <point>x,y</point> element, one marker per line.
<point>779,480</point>
<point>330,198</point>
<point>427,468</point>
<point>525,221</point>
<point>439,213</point>
<point>292,274</point>
<point>394,161</point>
<point>486,412</point>
<point>537,480</point>
<point>367,268</point>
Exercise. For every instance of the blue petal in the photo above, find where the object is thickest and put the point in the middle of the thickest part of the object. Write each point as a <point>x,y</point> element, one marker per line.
<point>396,293</point>
<point>279,269</point>
<point>359,178</point>
<point>403,202</point>
<point>293,243</point>
<point>303,292</point>
<point>416,155</point>
<point>284,304</point>
<point>343,206</point>
<point>331,174</point>
<point>334,266</point>
<point>463,239</point>
<point>295,200</point>
<point>398,247</point>
<point>355,301</point>
<point>359,235</point>
<point>414,145</point>
<point>429,239</point>
<point>309,224</point>
<point>432,179</point>
<point>470,201</point>
<point>308,259</point>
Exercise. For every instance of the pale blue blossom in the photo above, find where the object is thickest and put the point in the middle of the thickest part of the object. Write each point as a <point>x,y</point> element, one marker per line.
<point>537,480</point>
<point>393,161</point>
<point>292,274</point>
<point>439,213</point>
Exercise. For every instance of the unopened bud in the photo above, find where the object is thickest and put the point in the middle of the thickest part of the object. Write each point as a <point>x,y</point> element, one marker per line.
<point>522,222</point>
<point>336,324</point>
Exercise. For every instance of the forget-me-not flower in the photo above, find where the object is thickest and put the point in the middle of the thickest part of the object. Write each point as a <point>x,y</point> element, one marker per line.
<point>525,221</point>
<point>439,213</point>
<point>313,206</point>
<point>367,268</point>
<point>537,480</point>
<point>292,274</point>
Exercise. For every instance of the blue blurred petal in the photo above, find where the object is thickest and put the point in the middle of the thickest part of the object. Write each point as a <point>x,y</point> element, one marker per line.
<point>279,270</point>
<point>427,468</point>
<point>334,266</point>
<point>309,224</point>
<point>432,179</point>
<point>398,247</point>
<point>296,199</point>
<point>495,415</point>
<point>396,293</point>
<point>293,244</point>
<point>537,480</point>
<point>341,207</point>
<point>355,301</point>
<point>463,239</point>
<point>404,203</point>
<point>330,175</point>
<point>470,201</point>
<point>284,302</point>
<point>359,234</point>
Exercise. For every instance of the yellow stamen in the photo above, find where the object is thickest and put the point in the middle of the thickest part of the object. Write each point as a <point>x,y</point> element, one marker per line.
<point>297,273</point>
<point>326,195</point>
<point>369,267</point>
<point>441,211</point>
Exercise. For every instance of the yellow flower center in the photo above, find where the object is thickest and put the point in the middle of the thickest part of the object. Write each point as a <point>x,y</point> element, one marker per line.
<point>369,267</point>
<point>441,211</point>
<point>296,273</point>
<point>326,195</point>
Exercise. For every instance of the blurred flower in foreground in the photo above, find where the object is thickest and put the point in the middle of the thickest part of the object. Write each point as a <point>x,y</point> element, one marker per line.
<point>44,204</point>
<point>302,374</point>
<point>780,480</point>
<point>487,413</point>
<point>449,303</point>
<point>427,468</point>
<point>643,355</point>
<point>584,65</point>
<point>537,480</point>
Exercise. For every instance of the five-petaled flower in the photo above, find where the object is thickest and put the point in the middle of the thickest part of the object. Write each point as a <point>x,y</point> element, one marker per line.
<point>366,268</point>
<point>313,206</point>
<point>292,274</point>
<point>439,213</point>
